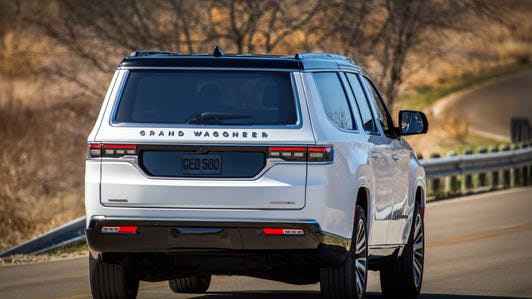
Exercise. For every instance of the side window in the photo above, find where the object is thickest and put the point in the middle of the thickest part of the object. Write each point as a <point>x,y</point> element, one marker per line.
<point>382,113</point>
<point>334,100</point>
<point>362,102</point>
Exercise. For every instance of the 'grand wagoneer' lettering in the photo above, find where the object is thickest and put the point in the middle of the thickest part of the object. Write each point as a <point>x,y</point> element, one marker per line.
<point>206,134</point>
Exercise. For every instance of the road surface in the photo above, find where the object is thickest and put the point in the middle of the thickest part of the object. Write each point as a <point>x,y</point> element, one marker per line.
<point>489,109</point>
<point>479,247</point>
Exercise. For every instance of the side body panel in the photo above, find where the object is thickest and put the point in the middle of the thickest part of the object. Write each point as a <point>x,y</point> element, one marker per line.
<point>350,172</point>
<point>404,174</point>
<point>384,174</point>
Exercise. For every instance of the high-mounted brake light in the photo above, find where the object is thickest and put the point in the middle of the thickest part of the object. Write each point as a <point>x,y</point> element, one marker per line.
<point>302,153</point>
<point>111,150</point>
<point>273,231</point>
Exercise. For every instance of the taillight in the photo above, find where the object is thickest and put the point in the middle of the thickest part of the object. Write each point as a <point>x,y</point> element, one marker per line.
<point>111,150</point>
<point>274,231</point>
<point>302,153</point>
<point>289,153</point>
<point>320,153</point>
<point>122,229</point>
<point>94,150</point>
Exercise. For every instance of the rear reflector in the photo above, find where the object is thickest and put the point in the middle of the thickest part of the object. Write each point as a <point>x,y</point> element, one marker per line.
<point>271,231</point>
<point>123,229</point>
<point>302,153</point>
<point>111,150</point>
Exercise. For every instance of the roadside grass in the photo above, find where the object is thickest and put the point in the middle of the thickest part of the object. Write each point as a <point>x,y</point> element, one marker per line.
<point>69,252</point>
<point>449,136</point>
<point>41,166</point>
<point>74,249</point>
<point>423,96</point>
<point>470,141</point>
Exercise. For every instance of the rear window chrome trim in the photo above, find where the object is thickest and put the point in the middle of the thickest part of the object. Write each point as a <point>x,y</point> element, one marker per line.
<point>121,88</point>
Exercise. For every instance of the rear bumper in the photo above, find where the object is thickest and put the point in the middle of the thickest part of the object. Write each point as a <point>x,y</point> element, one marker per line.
<point>202,237</point>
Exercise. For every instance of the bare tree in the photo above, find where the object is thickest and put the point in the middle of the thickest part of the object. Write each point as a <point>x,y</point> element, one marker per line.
<point>258,26</point>
<point>95,34</point>
<point>411,23</point>
<point>387,31</point>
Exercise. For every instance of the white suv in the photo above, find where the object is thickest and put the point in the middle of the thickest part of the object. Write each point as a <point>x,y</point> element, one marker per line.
<point>287,168</point>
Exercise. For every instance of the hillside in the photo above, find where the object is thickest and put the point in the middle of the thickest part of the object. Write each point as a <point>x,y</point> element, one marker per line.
<point>57,57</point>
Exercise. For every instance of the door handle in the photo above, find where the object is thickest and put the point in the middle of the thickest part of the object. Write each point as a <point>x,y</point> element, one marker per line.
<point>395,157</point>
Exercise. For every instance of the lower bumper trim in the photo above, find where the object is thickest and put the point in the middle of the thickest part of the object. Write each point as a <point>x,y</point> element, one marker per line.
<point>190,237</point>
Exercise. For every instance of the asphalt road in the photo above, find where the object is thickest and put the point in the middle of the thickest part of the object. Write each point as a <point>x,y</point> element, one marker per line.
<point>497,102</point>
<point>479,247</point>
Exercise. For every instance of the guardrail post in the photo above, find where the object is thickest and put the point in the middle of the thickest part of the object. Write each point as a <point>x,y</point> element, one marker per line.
<point>468,177</point>
<point>436,183</point>
<point>482,176</point>
<point>524,168</point>
<point>529,145</point>
<point>526,180</point>
<point>507,172</point>
<point>495,175</point>
<point>530,174</point>
<point>517,174</point>
<point>455,184</point>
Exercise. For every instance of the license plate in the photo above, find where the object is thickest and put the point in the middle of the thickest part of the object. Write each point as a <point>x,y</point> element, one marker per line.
<point>201,164</point>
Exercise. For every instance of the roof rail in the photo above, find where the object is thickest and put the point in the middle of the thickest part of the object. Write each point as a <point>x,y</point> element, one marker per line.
<point>324,55</point>
<point>148,53</point>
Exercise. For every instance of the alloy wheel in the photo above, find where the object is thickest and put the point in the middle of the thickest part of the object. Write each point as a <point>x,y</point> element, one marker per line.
<point>419,250</point>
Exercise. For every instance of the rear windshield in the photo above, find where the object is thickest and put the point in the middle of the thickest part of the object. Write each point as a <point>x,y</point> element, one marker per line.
<point>207,98</point>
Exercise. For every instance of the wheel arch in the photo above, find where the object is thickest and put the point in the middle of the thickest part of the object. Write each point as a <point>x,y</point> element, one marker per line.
<point>420,199</point>
<point>364,199</point>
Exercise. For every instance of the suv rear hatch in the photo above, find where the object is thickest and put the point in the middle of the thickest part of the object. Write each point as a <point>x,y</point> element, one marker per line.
<point>221,139</point>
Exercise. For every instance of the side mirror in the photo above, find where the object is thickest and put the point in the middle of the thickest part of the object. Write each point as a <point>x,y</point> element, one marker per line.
<point>412,123</point>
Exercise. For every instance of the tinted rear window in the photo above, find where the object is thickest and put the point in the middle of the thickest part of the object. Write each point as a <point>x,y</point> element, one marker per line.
<point>207,98</point>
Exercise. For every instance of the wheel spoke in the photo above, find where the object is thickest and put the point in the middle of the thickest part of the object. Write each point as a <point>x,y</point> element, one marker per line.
<point>358,282</point>
<point>418,246</point>
<point>420,236</point>
<point>361,240</point>
<point>418,269</point>
<point>360,257</point>
<point>360,234</point>
<point>361,248</point>
<point>361,265</point>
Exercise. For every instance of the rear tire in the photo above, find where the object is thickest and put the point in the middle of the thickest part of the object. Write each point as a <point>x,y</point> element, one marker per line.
<point>404,277</point>
<point>192,285</point>
<point>111,280</point>
<point>349,280</point>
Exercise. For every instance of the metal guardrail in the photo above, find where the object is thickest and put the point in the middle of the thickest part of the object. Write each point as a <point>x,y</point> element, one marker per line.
<point>68,234</point>
<point>448,176</point>
<point>453,165</point>
<point>485,170</point>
